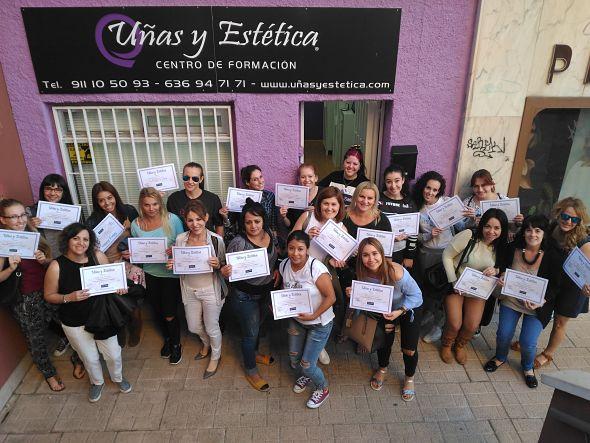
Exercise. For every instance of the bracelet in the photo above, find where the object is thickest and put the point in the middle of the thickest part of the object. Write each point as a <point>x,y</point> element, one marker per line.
<point>64,300</point>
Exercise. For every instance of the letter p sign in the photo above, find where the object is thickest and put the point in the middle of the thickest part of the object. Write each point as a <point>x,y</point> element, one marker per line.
<point>563,53</point>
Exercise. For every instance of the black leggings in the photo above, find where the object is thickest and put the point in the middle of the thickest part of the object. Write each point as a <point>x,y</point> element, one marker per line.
<point>410,333</point>
<point>163,294</point>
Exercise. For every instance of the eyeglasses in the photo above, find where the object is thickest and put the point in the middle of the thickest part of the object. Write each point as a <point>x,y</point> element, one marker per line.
<point>188,177</point>
<point>17,217</point>
<point>57,189</point>
<point>565,217</point>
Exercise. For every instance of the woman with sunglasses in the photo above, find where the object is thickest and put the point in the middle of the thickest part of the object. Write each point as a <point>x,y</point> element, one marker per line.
<point>350,176</point>
<point>29,309</point>
<point>193,180</point>
<point>569,229</point>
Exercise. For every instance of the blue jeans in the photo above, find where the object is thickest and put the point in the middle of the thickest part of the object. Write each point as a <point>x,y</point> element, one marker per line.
<point>305,344</point>
<point>529,334</point>
<point>250,314</point>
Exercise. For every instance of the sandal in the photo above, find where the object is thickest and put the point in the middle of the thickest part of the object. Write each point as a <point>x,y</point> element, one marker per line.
<point>79,371</point>
<point>515,346</point>
<point>260,384</point>
<point>265,359</point>
<point>408,394</point>
<point>548,359</point>
<point>375,383</point>
<point>60,385</point>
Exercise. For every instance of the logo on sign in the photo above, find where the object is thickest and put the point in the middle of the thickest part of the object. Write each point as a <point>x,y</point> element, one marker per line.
<point>123,59</point>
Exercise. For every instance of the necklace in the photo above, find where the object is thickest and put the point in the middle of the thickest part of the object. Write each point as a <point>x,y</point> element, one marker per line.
<point>529,262</point>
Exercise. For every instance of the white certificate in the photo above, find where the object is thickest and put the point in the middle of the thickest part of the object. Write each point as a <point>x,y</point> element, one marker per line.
<point>371,297</point>
<point>103,279</point>
<point>405,223</point>
<point>290,303</point>
<point>386,238</point>
<point>248,264</point>
<point>577,266</point>
<point>346,190</point>
<point>148,249</point>
<point>21,243</point>
<point>524,286</point>
<point>236,198</point>
<point>162,178</point>
<point>57,215</point>
<point>335,241</point>
<point>510,206</point>
<point>108,231</point>
<point>447,213</point>
<point>292,196</point>
<point>191,259</point>
<point>475,283</point>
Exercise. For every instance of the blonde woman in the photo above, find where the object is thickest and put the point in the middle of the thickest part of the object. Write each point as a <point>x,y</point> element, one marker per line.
<point>162,286</point>
<point>569,229</point>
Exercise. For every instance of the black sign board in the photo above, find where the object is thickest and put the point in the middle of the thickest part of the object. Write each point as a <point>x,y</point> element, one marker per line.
<point>213,49</point>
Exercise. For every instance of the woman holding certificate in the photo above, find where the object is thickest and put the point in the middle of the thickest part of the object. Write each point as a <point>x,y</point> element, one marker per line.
<point>532,253</point>
<point>395,200</point>
<point>307,177</point>
<point>308,333</point>
<point>373,267</point>
<point>203,293</point>
<point>483,251</point>
<point>162,286</point>
<point>428,193</point>
<point>249,295</point>
<point>569,230</point>
<point>53,189</point>
<point>106,200</point>
<point>63,287</point>
<point>29,309</point>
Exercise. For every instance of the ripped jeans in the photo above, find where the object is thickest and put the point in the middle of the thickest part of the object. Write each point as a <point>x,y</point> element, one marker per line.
<point>305,344</point>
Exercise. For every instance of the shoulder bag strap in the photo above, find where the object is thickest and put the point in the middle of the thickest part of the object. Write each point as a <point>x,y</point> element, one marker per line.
<point>466,251</point>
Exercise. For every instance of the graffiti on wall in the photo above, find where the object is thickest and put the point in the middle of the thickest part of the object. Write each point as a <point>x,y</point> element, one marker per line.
<point>486,147</point>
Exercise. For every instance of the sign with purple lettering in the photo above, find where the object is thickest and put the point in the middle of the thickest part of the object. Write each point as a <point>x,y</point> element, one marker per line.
<point>213,49</point>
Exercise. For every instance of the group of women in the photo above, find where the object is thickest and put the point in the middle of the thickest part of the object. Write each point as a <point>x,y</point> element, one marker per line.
<point>51,291</point>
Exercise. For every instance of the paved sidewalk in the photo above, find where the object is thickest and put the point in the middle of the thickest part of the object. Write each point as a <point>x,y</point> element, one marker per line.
<point>173,403</point>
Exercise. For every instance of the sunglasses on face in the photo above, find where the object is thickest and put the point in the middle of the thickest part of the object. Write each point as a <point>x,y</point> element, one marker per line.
<point>188,177</point>
<point>565,217</point>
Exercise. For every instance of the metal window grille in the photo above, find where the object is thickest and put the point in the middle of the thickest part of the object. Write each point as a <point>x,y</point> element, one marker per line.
<point>111,143</point>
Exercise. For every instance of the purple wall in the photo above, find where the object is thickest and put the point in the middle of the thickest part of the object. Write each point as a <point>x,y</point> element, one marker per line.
<point>433,63</point>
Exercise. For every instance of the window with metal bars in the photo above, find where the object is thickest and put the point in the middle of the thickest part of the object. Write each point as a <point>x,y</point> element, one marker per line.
<point>111,143</point>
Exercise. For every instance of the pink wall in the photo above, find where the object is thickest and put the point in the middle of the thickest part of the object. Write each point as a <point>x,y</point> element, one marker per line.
<point>433,62</point>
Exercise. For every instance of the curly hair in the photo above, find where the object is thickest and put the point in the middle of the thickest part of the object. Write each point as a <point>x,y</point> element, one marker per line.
<point>418,190</point>
<point>71,231</point>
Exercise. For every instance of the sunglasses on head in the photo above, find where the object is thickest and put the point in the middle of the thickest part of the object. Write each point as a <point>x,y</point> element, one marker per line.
<point>565,217</point>
<point>194,178</point>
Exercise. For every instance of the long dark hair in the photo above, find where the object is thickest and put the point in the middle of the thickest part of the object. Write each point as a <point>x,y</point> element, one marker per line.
<point>395,168</point>
<point>256,209</point>
<point>499,245</point>
<point>119,206</point>
<point>417,191</point>
<point>56,180</point>
<point>71,231</point>
<point>534,221</point>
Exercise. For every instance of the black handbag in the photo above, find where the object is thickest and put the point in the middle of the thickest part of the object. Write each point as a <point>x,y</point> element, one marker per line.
<point>10,288</point>
<point>436,276</point>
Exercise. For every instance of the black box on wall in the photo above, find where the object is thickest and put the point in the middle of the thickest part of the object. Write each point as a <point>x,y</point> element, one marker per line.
<point>405,156</point>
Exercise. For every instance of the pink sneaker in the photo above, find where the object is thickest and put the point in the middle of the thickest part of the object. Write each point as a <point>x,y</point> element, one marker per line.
<point>300,384</point>
<point>317,398</point>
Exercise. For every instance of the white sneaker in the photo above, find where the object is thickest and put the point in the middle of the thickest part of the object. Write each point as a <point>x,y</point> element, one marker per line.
<point>324,358</point>
<point>433,335</point>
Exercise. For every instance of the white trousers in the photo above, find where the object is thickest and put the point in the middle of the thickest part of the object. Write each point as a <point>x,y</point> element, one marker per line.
<point>202,317</point>
<point>88,349</point>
